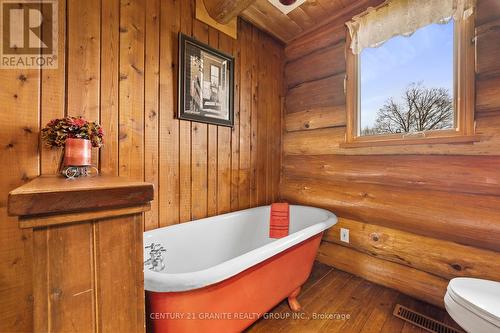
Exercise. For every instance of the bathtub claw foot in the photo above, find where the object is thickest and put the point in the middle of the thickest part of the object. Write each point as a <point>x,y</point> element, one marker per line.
<point>293,302</point>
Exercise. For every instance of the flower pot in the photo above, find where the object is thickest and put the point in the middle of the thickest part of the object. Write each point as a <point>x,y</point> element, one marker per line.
<point>77,152</point>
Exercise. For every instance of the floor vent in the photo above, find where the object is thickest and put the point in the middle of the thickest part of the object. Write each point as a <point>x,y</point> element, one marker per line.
<point>422,321</point>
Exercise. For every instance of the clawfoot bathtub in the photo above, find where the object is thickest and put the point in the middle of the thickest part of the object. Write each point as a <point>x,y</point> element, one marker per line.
<point>222,273</point>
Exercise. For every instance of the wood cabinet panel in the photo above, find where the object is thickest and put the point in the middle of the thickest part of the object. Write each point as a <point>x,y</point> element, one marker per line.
<point>88,276</point>
<point>119,274</point>
<point>55,194</point>
<point>86,272</point>
<point>64,285</point>
<point>71,271</point>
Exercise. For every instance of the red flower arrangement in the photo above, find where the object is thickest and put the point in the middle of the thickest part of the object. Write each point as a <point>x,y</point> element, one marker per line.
<point>58,130</point>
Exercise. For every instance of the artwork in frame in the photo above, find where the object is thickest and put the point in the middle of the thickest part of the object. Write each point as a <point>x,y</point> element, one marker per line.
<point>206,78</point>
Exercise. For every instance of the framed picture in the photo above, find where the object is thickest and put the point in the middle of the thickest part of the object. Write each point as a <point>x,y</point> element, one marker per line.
<point>206,78</point>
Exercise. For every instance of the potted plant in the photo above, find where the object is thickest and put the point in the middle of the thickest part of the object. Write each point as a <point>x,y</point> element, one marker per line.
<point>77,136</point>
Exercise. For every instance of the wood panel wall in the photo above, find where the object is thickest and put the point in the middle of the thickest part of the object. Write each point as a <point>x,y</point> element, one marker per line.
<point>118,65</point>
<point>418,215</point>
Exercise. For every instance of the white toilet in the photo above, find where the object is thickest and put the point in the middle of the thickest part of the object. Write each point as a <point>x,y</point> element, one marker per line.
<point>474,304</point>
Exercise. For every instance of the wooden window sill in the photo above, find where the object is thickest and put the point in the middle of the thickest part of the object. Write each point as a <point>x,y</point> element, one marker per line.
<point>373,142</point>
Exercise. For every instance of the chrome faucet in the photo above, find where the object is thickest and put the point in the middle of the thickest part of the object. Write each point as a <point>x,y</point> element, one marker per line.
<point>155,257</point>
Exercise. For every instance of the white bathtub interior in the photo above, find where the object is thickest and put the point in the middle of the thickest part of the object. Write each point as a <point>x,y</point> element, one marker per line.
<point>207,245</point>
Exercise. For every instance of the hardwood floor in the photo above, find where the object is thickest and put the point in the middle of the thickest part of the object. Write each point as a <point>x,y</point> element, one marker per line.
<point>353,304</point>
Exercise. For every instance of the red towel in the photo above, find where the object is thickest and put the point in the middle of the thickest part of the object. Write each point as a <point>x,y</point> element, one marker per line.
<point>279,221</point>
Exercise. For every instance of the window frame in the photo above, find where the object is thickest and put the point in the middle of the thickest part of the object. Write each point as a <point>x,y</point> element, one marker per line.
<point>464,97</point>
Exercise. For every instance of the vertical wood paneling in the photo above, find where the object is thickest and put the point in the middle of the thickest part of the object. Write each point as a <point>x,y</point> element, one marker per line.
<point>185,165</point>
<point>269,135</point>
<point>262,120</point>
<point>199,149</point>
<point>131,91</point>
<point>110,37</point>
<point>19,152</point>
<point>151,106</point>
<point>224,142</point>
<point>118,64</point>
<point>245,114</point>
<point>212,171</point>
<point>53,93</point>
<point>212,167</point>
<point>52,105</point>
<point>254,112</point>
<point>277,104</point>
<point>235,131</point>
<point>168,192</point>
<point>83,73</point>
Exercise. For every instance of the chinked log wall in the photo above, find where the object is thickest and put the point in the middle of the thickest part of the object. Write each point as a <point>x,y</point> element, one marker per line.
<point>121,69</point>
<point>418,215</point>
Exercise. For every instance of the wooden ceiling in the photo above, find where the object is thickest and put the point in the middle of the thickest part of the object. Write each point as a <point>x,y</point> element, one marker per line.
<point>308,16</point>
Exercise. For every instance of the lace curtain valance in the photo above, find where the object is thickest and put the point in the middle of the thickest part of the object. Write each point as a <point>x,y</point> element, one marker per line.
<point>403,17</point>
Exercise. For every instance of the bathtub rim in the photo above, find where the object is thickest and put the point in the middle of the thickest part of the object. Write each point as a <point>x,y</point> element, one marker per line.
<point>179,282</point>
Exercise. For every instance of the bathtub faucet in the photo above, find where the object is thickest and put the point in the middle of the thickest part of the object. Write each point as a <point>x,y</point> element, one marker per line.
<point>155,257</point>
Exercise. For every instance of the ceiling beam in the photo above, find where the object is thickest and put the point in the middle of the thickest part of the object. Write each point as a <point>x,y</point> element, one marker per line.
<point>224,11</point>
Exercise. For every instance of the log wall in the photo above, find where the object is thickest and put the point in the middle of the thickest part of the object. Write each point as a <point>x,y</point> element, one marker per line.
<point>418,215</point>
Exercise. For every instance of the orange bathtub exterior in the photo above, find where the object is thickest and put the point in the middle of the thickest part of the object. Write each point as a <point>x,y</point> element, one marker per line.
<point>233,304</point>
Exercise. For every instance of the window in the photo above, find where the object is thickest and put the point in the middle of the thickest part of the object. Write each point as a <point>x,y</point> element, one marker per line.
<point>406,85</point>
<point>413,90</point>
<point>214,74</point>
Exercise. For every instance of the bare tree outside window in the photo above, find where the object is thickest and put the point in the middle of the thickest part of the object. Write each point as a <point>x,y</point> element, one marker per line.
<point>420,109</point>
<point>406,85</point>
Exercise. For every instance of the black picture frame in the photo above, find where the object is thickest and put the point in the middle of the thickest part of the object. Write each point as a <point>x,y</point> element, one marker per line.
<point>218,109</point>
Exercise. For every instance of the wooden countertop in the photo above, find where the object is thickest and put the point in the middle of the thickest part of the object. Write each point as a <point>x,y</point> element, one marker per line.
<point>57,195</point>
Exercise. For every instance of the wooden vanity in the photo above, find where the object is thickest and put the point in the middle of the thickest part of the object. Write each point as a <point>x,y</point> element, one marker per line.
<point>87,262</point>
